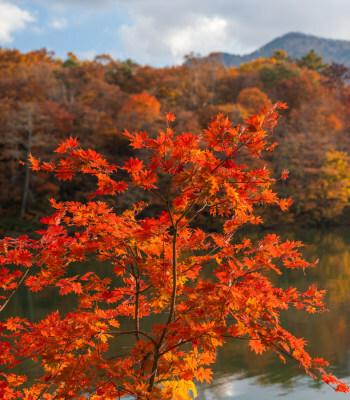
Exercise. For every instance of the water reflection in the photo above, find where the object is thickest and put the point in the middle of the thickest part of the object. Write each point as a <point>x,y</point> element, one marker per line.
<point>238,373</point>
<point>238,388</point>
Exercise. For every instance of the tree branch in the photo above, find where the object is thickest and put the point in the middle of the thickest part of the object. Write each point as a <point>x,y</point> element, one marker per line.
<point>14,290</point>
<point>117,333</point>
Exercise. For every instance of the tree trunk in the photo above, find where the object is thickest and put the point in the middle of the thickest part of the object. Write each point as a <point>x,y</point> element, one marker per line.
<point>27,177</point>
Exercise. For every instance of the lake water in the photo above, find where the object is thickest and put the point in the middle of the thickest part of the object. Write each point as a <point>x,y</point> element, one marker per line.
<point>241,375</point>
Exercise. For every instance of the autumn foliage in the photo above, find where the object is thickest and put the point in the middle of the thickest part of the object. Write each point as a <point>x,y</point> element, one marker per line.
<point>204,288</point>
<point>44,100</point>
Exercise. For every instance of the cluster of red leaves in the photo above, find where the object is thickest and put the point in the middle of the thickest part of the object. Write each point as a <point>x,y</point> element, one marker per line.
<point>158,266</point>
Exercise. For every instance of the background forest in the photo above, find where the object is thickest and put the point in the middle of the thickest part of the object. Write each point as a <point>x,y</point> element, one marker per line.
<point>45,100</point>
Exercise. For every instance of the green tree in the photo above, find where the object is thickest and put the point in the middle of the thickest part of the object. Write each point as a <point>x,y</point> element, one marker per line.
<point>312,61</point>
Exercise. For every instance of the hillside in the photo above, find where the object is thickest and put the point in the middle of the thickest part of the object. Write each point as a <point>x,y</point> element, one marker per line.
<point>296,45</point>
<point>45,100</point>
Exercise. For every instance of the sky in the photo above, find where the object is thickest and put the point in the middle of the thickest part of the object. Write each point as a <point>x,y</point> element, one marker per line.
<point>160,32</point>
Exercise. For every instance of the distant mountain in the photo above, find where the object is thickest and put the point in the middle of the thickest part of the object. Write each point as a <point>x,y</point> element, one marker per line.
<point>296,45</point>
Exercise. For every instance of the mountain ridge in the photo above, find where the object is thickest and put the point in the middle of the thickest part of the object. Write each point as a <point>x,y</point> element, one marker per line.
<point>296,44</point>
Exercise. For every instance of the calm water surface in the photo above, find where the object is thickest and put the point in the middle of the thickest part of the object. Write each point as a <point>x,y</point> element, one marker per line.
<point>241,375</point>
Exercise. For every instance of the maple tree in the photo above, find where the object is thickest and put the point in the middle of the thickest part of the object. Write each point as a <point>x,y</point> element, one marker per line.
<point>159,266</point>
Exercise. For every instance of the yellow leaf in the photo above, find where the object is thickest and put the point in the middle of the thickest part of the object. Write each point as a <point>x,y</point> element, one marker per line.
<point>180,389</point>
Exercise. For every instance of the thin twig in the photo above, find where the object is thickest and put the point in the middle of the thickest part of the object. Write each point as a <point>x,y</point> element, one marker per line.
<point>14,290</point>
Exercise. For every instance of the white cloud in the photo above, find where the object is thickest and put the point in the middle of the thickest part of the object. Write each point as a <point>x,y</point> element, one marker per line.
<point>58,23</point>
<point>146,41</point>
<point>12,19</point>
<point>204,35</point>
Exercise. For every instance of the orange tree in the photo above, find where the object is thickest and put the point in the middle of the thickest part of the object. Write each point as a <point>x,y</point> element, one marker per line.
<point>158,266</point>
